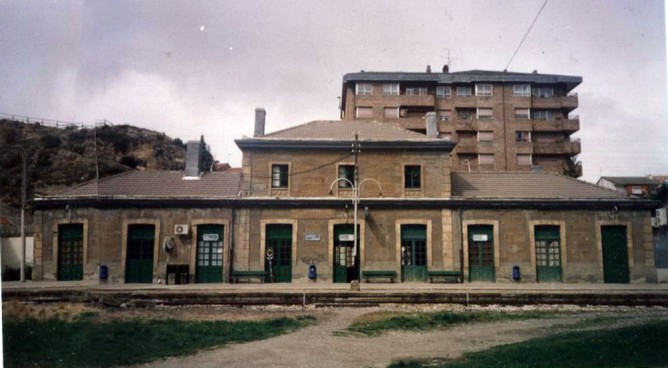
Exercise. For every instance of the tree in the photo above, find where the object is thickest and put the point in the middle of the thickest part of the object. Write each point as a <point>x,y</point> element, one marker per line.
<point>206,158</point>
<point>572,167</point>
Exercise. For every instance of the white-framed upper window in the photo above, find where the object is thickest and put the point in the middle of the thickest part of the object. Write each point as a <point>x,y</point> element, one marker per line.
<point>391,112</point>
<point>523,136</point>
<point>543,92</point>
<point>486,159</point>
<point>463,91</point>
<point>484,113</point>
<point>363,89</point>
<point>483,90</point>
<point>416,91</point>
<point>635,189</point>
<point>485,136</point>
<point>542,114</point>
<point>522,90</point>
<point>443,92</point>
<point>522,113</point>
<point>362,112</point>
<point>524,159</point>
<point>391,88</point>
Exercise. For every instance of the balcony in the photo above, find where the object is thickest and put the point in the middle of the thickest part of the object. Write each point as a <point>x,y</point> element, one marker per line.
<point>467,146</point>
<point>568,102</point>
<point>464,125</point>
<point>408,123</point>
<point>570,125</point>
<point>570,148</point>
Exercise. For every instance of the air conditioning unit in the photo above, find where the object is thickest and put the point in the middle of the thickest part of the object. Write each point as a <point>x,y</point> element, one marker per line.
<point>661,217</point>
<point>181,229</point>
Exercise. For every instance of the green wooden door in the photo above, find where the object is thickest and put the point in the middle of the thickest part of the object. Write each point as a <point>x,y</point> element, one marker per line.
<point>139,255</point>
<point>209,266</point>
<point>548,253</point>
<point>346,257</point>
<point>279,242</point>
<point>413,253</point>
<point>615,256</point>
<point>70,252</point>
<point>481,253</point>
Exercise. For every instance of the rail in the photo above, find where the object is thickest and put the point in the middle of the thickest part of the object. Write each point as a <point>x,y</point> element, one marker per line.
<point>53,122</point>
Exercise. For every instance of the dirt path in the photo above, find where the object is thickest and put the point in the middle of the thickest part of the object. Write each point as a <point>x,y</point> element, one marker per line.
<point>319,346</point>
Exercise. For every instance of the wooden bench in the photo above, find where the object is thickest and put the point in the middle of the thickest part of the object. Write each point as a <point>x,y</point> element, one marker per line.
<point>445,275</point>
<point>236,275</point>
<point>379,274</point>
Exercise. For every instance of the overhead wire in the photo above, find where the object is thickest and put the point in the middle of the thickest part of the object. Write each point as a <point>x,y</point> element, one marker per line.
<point>526,34</point>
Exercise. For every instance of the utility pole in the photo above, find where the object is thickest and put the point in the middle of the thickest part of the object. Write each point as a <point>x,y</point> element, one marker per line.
<point>23,216</point>
<point>356,199</point>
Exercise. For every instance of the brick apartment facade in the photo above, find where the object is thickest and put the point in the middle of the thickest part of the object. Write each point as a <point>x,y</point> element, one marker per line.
<point>501,121</point>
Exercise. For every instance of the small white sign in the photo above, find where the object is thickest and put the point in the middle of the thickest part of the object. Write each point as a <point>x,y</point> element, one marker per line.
<point>210,237</point>
<point>479,237</point>
<point>312,237</point>
<point>346,237</point>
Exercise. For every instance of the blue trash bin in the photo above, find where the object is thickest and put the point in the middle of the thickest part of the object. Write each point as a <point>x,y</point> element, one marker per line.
<point>516,273</point>
<point>104,272</point>
<point>312,273</point>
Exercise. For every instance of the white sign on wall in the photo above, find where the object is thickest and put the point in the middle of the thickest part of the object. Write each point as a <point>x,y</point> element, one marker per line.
<point>346,237</point>
<point>210,237</point>
<point>480,237</point>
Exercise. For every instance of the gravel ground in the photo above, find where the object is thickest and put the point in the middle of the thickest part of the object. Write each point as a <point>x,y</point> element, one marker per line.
<point>321,345</point>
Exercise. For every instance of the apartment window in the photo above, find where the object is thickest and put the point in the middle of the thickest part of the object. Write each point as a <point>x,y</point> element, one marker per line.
<point>542,114</point>
<point>464,91</point>
<point>443,92</point>
<point>279,176</point>
<point>524,159</point>
<point>363,89</point>
<point>363,112</point>
<point>485,136</point>
<point>543,92</point>
<point>346,172</point>
<point>415,91</point>
<point>485,159</point>
<point>483,90</point>
<point>412,178</point>
<point>484,114</point>
<point>465,114</point>
<point>391,112</point>
<point>522,136</point>
<point>522,114</point>
<point>391,88</point>
<point>521,90</point>
<point>444,115</point>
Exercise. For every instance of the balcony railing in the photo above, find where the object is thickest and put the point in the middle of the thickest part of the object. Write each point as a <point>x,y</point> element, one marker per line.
<point>572,124</point>
<point>570,147</point>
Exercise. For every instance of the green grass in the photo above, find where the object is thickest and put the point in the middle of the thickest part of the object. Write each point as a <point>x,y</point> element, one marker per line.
<point>635,346</point>
<point>376,324</point>
<point>85,342</point>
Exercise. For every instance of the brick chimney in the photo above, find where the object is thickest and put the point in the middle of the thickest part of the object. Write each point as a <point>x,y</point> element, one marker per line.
<point>432,125</point>
<point>428,69</point>
<point>446,68</point>
<point>260,115</point>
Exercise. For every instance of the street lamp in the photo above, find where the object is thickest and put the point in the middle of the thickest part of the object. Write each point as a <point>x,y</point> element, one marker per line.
<point>356,200</point>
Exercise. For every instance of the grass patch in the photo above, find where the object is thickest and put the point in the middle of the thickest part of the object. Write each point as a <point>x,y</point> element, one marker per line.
<point>84,342</point>
<point>634,346</point>
<point>375,324</point>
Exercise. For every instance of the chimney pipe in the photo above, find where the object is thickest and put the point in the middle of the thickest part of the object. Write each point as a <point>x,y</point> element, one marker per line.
<point>193,155</point>
<point>260,115</point>
<point>446,68</point>
<point>432,125</point>
<point>428,69</point>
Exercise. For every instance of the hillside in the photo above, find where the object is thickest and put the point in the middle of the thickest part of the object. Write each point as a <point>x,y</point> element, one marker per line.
<point>61,157</point>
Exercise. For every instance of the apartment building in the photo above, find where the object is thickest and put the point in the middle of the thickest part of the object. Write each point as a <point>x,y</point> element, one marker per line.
<point>501,121</point>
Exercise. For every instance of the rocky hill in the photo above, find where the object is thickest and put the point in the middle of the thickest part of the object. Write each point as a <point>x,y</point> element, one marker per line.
<point>61,157</point>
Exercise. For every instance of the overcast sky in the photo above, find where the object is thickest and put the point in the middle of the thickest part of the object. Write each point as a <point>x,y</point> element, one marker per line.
<point>201,67</point>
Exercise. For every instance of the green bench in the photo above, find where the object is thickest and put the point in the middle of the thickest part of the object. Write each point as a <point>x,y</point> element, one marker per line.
<point>379,275</point>
<point>445,275</point>
<point>236,275</point>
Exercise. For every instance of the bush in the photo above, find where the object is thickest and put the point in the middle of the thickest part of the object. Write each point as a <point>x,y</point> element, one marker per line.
<point>51,141</point>
<point>130,161</point>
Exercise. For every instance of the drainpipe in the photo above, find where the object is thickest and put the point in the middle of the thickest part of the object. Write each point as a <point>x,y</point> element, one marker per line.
<point>230,269</point>
<point>461,243</point>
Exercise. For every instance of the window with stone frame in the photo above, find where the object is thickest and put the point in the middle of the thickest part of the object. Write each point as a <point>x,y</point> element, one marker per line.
<point>346,172</point>
<point>279,176</point>
<point>412,177</point>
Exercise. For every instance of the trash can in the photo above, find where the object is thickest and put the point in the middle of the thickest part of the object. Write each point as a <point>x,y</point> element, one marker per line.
<point>312,273</point>
<point>104,272</point>
<point>516,273</point>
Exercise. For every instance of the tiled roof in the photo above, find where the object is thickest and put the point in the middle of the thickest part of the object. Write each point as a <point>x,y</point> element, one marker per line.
<point>159,184</point>
<point>526,185</point>
<point>630,180</point>
<point>469,76</point>
<point>337,130</point>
